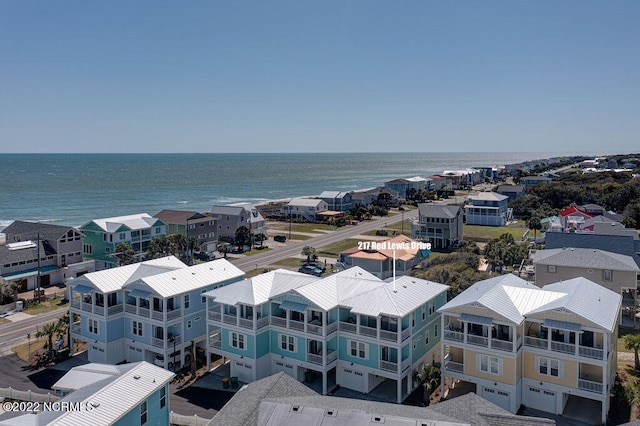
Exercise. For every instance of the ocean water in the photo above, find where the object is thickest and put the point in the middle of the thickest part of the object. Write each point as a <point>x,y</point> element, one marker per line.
<point>72,189</point>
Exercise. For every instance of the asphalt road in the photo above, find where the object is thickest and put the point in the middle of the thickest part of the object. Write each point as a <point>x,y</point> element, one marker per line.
<point>15,333</point>
<point>294,249</point>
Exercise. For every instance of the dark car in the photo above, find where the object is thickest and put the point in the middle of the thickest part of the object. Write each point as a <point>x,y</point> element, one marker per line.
<point>280,238</point>
<point>310,270</point>
<point>205,255</point>
<point>316,265</point>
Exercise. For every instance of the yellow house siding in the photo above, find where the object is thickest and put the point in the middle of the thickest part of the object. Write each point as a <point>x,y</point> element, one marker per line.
<point>570,370</point>
<point>508,368</point>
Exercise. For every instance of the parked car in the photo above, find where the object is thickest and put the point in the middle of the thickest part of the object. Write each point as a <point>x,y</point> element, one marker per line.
<point>316,265</point>
<point>280,238</point>
<point>205,255</point>
<point>307,269</point>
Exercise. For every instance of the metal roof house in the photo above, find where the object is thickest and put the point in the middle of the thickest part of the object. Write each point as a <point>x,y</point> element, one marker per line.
<point>539,347</point>
<point>439,224</point>
<point>487,208</point>
<point>339,201</point>
<point>349,329</point>
<point>149,311</point>
<point>305,208</point>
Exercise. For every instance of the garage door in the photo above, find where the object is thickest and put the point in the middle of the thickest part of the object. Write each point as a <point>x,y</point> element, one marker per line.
<point>540,399</point>
<point>243,372</point>
<point>279,366</point>
<point>500,398</point>
<point>352,379</point>
<point>135,354</point>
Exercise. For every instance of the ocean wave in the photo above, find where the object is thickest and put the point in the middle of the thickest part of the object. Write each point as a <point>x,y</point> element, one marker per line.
<point>183,202</point>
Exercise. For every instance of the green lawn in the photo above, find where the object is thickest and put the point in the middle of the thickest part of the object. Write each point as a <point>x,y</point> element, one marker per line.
<point>487,233</point>
<point>333,249</point>
<point>300,227</point>
<point>255,251</point>
<point>299,237</point>
<point>46,306</point>
<point>291,263</point>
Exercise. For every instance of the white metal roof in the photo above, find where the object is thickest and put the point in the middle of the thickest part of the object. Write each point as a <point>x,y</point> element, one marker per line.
<point>134,221</point>
<point>114,279</point>
<point>257,290</point>
<point>306,202</point>
<point>190,278</point>
<point>488,196</point>
<point>84,375</point>
<point>116,398</point>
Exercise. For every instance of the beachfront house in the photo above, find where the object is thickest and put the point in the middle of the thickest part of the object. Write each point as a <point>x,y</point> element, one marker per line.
<point>402,185</point>
<point>120,395</point>
<point>59,247</point>
<point>150,311</point>
<point>231,217</point>
<point>439,224</point>
<point>377,257</point>
<point>192,224</point>
<point>368,197</point>
<point>487,208</point>
<point>338,201</point>
<point>102,236</point>
<point>551,349</point>
<point>349,329</point>
<point>305,208</point>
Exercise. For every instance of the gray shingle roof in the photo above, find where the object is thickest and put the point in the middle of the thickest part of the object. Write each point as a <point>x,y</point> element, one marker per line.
<point>583,257</point>
<point>437,210</point>
<point>30,230</point>
<point>620,244</point>
<point>177,216</point>
<point>510,188</point>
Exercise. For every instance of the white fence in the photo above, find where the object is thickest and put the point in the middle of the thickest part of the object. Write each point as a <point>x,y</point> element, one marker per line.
<point>180,420</point>
<point>10,393</point>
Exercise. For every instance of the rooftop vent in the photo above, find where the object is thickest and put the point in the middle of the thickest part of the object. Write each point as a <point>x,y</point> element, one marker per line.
<point>137,377</point>
<point>296,409</point>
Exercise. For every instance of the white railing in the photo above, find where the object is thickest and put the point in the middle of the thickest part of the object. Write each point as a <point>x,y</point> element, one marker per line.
<point>332,327</point>
<point>454,335</point>
<point>215,316</point>
<point>389,366</point>
<point>143,312</point>
<point>332,356</point>
<point>565,348</point>
<point>590,386</point>
<point>157,342</point>
<point>98,310</point>
<point>296,325</point>
<point>157,315</point>
<point>130,308</point>
<point>389,335</point>
<point>502,345</point>
<point>174,314</point>
<point>406,333</point>
<point>176,340</point>
<point>217,344</point>
<point>348,327</point>
<point>75,327</point>
<point>368,331</point>
<point>313,358</point>
<point>594,353</point>
<point>246,323</point>
<point>116,309</point>
<point>263,322</point>
<point>314,329</point>
<point>17,395</point>
<point>229,319</point>
<point>477,340</point>
<point>86,307</point>
<point>75,304</point>
<point>458,367</point>
<point>181,420</point>
<point>535,342</point>
<point>279,322</point>
<point>406,363</point>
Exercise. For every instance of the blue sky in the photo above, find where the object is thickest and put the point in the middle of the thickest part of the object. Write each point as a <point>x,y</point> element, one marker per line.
<point>302,76</point>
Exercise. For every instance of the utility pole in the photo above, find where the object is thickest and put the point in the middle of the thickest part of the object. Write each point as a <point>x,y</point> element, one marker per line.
<point>38,276</point>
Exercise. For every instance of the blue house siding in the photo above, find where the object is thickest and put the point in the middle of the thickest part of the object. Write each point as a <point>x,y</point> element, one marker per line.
<point>344,352</point>
<point>99,336</point>
<point>263,343</point>
<point>301,346</point>
<point>198,326</point>
<point>115,329</point>
<point>155,414</point>
<point>147,331</point>
<point>249,343</point>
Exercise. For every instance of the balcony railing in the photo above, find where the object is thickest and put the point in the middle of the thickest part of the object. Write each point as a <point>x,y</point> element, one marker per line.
<point>477,340</point>
<point>75,327</point>
<point>159,343</point>
<point>263,322</point>
<point>314,358</point>
<point>279,322</point>
<point>246,323</point>
<point>457,367</point>
<point>406,333</point>
<point>157,315</point>
<point>296,325</point>
<point>75,304</point>
<point>130,308</point>
<point>143,312</point>
<point>314,329</point>
<point>332,356</point>
<point>590,386</point>
<point>457,336</point>
<point>389,366</point>
<point>116,309</point>
<point>215,316</point>
<point>86,307</point>
<point>98,310</point>
<point>389,335</point>
<point>594,353</point>
<point>502,345</point>
<point>368,331</point>
<point>229,319</point>
<point>535,342</point>
<point>216,344</point>
<point>406,363</point>
<point>348,327</point>
<point>332,327</point>
<point>173,314</point>
<point>565,348</point>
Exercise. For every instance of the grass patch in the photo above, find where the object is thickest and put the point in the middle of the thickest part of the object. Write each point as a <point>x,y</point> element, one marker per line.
<point>300,227</point>
<point>298,237</point>
<point>253,272</point>
<point>46,306</point>
<point>25,350</point>
<point>488,233</point>
<point>332,250</point>
<point>622,333</point>
<point>290,263</point>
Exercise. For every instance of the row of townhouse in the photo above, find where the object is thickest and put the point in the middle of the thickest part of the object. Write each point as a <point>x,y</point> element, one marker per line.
<point>150,311</point>
<point>544,348</point>
<point>350,328</point>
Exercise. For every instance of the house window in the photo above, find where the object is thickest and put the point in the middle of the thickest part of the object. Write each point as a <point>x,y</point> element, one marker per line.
<point>358,349</point>
<point>549,367</point>
<point>413,319</point>
<point>424,313</point>
<point>432,307</point>
<point>137,328</point>
<point>186,301</point>
<point>87,249</point>
<point>158,229</point>
<point>237,340</point>
<point>288,343</point>
<point>607,275</point>
<point>123,236</point>
<point>203,298</point>
<point>163,397</point>
<point>93,326</point>
<point>489,364</point>
<point>551,269</point>
<point>107,249</point>
<point>143,412</point>
<point>426,338</point>
<point>435,330</point>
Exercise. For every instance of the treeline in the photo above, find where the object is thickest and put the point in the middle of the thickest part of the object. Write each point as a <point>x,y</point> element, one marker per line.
<point>617,192</point>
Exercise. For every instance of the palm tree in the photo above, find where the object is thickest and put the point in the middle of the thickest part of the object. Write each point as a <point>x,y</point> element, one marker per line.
<point>224,249</point>
<point>125,254</point>
<point>260,238</point>
<point>48,330</point>
<point>309,252</point>
<point>242,237</point>
<point>535,224</point>
<point>429,378</point>
<point>192,350</point>
<point>64,328</point>
<point>632,342</point>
